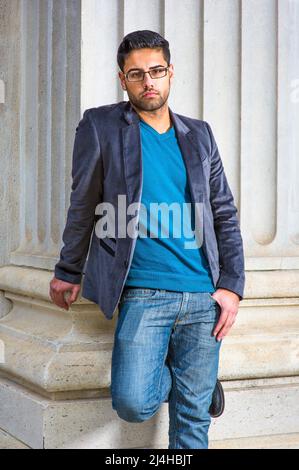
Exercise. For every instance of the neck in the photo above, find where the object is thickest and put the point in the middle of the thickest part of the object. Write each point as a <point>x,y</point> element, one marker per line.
<point>158,118</point>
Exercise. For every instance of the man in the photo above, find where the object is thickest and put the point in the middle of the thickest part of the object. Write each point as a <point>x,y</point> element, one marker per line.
<point>176,301</point>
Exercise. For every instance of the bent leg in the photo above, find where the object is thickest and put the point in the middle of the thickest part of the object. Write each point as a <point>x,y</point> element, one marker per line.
<point>140,378</point>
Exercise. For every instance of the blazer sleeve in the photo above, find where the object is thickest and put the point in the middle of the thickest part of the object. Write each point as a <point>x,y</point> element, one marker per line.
<point>86,193</point>
<point>226,226</point>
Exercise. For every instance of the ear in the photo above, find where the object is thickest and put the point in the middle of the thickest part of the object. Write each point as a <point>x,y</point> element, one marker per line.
<point>171,73</point>
<point>122,80</point>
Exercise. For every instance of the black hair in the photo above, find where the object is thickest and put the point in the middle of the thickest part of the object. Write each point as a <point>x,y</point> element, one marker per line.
<point>139,40</point>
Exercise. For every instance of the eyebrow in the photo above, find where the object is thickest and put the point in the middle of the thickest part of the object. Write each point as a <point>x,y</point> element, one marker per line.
<point>154,67</point>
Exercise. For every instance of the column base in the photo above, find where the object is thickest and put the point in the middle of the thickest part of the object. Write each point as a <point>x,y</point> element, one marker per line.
<point>260,413</point>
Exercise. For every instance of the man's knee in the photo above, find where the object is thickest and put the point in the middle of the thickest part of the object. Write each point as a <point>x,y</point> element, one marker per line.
<point>130,410</point>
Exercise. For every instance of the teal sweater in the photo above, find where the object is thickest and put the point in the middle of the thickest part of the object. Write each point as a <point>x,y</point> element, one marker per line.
<point>161,262</point>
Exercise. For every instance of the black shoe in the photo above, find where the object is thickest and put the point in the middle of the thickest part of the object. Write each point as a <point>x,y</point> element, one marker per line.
<point>217,406</point>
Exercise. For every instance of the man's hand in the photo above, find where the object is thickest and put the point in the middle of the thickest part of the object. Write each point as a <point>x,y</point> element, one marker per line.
<point>229,303</point>
<point>57,290</point>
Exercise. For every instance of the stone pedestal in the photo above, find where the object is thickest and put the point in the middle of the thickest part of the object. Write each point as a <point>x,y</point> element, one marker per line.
<point>54,382</point>
<point>259,413</point>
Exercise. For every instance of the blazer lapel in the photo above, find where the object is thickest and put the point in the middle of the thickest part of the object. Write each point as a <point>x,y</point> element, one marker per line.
<point>191,157</point>
<point>132,155</point>
<point>131,141</point>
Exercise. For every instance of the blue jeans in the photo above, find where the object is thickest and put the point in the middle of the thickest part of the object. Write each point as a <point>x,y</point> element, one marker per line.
<point>164,348</point>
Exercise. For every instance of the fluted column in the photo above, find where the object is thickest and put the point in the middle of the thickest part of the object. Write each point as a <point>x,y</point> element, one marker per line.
<point>49,113</point>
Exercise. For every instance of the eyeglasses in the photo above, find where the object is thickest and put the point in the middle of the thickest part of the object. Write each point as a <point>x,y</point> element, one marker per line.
<point>138,75</point>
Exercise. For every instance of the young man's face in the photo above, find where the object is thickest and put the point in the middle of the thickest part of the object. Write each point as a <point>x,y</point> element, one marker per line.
<point>145,59</point>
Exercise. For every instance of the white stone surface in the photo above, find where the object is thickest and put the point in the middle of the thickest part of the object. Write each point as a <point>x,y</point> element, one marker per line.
<point>9,442</point>
<point>2,92</point>
<point>275,441</point>
<point>41,67</point>
<point>256,412</point>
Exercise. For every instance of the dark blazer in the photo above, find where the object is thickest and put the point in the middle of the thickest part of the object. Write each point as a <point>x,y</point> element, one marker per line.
<point>107,162</point>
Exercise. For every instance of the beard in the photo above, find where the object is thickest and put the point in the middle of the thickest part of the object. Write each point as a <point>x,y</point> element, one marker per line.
<point>149,104</point>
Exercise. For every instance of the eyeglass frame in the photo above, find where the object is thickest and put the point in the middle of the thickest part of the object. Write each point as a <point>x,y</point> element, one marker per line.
<point>148,71</point>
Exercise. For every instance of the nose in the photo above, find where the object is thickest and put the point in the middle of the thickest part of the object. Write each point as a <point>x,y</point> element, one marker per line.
<point>147,80</point>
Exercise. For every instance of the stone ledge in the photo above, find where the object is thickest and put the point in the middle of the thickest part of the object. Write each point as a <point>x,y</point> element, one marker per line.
<point>276,441</point>
<point>53,351</point>
<point>271,284</point>
<point>34,282</point>
<point>62,351</point>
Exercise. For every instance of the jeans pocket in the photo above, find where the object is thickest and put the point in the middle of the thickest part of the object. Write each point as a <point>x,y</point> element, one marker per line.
<point>138,293</point>
<point>213,299</point>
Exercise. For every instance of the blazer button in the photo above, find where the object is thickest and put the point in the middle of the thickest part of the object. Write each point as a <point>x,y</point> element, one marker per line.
<point>126,263</point>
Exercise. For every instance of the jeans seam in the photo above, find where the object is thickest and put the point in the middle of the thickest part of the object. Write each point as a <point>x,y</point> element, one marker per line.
<point>179,312</point>
<point>175,399</point>
<point>175,414</point>
<point>161,373</point>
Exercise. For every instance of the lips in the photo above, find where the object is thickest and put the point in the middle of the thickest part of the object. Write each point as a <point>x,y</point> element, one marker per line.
<point>149,93</point>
